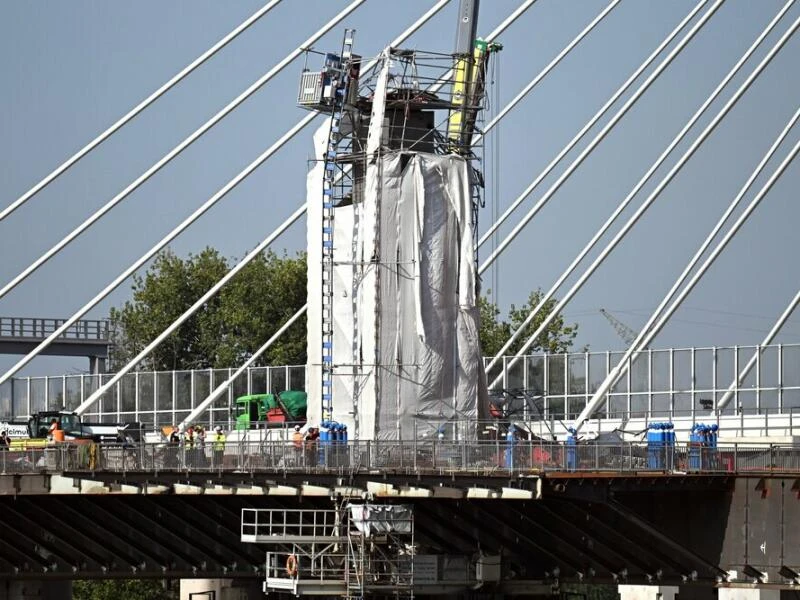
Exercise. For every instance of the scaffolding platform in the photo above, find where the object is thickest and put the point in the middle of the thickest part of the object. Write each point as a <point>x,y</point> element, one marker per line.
<point>291,526</point>
<point>348,551</point>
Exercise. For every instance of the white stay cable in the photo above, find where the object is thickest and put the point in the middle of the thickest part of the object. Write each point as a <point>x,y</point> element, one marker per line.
<point>254,87</point>
<point>600,136</point>
<point>660,187</point>
<point>223,387</point>
<point>263,245</point>
<point>194,216</point>
<point>591,123</point>
<point>734,386</point>
<point>137,109</point>
<point>549,67</point>
<point>642,341</point>
<point>636,189</point>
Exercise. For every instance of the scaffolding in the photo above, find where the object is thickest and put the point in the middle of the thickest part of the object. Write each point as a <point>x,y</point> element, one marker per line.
<point>353,551</point>
<point>426,103</point>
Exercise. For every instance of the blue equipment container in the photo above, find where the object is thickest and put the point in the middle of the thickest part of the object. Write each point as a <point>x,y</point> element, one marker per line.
<point>697,440</point>
<point>324,441</point>
<point>669,449</point>
<point>511,441</point>
<point>654,443</point>
<point>572,450</point>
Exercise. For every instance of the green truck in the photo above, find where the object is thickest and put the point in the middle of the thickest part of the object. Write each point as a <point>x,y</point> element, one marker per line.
<point>274,410</point>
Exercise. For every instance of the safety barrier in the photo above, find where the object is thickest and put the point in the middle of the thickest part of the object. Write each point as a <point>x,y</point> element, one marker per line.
<point>661,385</point>
<point>482,458</point>
<point>39,328</point>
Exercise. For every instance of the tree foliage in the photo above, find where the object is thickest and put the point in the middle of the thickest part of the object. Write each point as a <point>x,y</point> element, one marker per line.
<point>122,589</point>
<point>227,329</point>
<point>495,331</point>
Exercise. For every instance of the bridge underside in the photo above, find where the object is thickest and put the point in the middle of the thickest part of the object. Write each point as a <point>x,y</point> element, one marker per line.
<point>602,530</point>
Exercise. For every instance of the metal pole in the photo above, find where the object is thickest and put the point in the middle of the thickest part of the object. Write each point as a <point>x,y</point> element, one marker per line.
<point>138,108</point>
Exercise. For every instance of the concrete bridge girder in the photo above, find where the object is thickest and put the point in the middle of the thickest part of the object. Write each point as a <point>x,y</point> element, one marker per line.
<point>669,530</point>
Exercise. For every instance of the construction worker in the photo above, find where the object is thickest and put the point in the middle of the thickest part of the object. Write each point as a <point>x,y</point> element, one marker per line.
<point>173,452</point>
<point>297,441</point>
<point>219,446</point>
<point>312,435</point>
<point>188,439</point>
<point>190,456</point>
<point>53,428</point>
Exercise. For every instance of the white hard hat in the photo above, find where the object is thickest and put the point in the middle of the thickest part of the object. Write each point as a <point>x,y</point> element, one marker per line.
<point>297,427</point>
<point>218,428</point>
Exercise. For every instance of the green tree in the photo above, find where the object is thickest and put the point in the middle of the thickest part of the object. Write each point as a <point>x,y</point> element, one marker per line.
<point>228,328</point>
<point>495,332</point>
<point>122,589</point>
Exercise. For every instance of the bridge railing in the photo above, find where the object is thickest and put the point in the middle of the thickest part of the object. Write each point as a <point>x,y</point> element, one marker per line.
<point>39,328</point>
<point>671,383</point>
<point>409,457</point>
<point>151,397</point>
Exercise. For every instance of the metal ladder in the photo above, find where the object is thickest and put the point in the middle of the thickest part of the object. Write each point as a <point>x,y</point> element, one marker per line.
<point>339,84</point>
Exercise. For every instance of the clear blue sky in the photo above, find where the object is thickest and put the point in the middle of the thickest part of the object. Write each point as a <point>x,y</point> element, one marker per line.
<point>70,69</point>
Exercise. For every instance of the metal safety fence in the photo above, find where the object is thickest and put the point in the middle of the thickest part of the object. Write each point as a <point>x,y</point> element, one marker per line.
<point>670,383</point>
<point>32,328</point>
<point>482,458</point>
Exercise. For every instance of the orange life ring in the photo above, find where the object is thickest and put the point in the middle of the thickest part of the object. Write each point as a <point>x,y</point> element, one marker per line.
<point>291,565</point>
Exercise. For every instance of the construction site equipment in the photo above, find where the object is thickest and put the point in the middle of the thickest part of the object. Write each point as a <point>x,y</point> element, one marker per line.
<point>277,410</point>
<point>627,334</point>
<point>35,431</point>
<point>353,550</point>
<point>402,131</point>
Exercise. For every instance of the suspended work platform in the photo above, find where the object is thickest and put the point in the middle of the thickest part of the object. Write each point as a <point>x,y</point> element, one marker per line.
<point>352,550</point>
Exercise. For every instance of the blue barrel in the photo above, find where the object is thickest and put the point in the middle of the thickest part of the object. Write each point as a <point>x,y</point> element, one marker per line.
<point>572,450</point>
<point>653,442</point>
<point>669,450</point>
<point>324,441</point>
<point>696,441</point>
<point>511,440</point>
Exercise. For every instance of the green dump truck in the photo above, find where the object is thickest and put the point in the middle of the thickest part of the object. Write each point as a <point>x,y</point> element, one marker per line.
<point>272,410</point>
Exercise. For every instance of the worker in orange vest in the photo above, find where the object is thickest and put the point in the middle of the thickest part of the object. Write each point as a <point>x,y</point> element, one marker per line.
<point>297,440</point>
<point>53,428</point>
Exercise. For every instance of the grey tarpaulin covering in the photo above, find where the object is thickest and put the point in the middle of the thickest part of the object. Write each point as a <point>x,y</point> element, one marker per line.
<point>371,519</point>
<point>405,313</point>
<point>430,367</point>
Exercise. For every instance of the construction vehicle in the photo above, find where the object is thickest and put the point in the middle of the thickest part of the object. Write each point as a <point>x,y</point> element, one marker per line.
<point>273,410</point>
<point>35,431</point>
